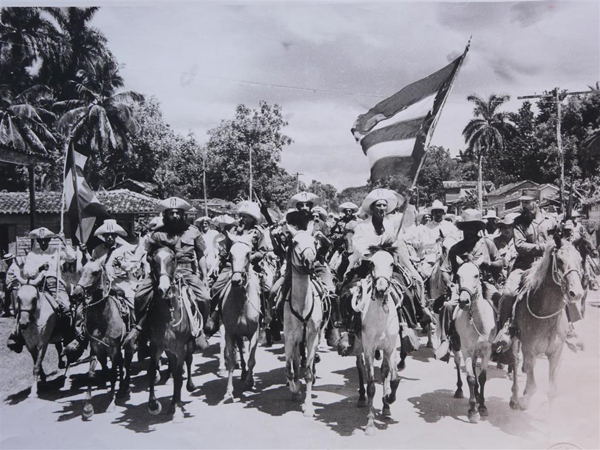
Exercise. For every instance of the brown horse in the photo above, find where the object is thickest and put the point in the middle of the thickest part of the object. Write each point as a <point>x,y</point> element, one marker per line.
<point>540,313</point>
<point>39,325</point>
<point>105,328</point>
<point>170,329</point>
<point>241,312</point>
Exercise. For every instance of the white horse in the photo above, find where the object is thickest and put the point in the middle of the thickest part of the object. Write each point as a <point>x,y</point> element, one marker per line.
<point>302,318</point>
<point>379,331</point>
<point>476,327</point>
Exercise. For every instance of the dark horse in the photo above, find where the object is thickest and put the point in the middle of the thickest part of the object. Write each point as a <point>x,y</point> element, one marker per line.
<point>540,314</point>
<point>39,324</point>
<point>170,329</point>
<point>106,329</point>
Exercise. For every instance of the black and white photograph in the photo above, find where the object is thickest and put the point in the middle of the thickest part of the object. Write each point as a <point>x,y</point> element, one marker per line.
<point>289,224</point>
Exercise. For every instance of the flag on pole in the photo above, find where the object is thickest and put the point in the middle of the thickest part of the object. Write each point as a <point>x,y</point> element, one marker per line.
<point>84,211</point>
<point>394,134</point>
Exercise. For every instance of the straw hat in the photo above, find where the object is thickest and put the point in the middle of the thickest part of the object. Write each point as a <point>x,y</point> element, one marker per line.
<point>42,233</point>
<point>321,212</point>
<point>173,203</point>
<point>110,226</point>
<point>199,220</point>
<point>379,194</point>
<point>437,205</point>
<point>491,214</point>
<point>470,216</point>
<point>348,205</point>
<point>223,222</point>
<point>250,209</point>
<point>155,223</point>
<point>508,220</point>
<point>303,197</point>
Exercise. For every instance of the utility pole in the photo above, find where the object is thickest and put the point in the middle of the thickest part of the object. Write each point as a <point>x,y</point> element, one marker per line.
<point>558,98</point>
<point>204,183</point>
<point>251,173</point>
<point>297,174</point>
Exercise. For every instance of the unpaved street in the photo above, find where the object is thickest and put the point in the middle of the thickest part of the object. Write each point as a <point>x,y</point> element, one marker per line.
<point>424,416</point>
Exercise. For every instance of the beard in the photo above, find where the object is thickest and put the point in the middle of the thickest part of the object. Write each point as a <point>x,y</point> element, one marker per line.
<point>174,226</point>
<point>527,215</point>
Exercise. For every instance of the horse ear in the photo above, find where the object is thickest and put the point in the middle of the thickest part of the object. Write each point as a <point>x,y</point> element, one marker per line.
<point>232,237</point>
<point>459,260</point>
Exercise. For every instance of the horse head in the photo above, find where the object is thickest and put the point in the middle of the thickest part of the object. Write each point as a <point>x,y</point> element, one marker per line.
<point>566,269</point>
<point>27,297</point>
<point>239,254</point>
<point>304,251</point>
<point>381,262</point>
<point>163,264</point>
<point>469,281</point>
<point>89,280</point>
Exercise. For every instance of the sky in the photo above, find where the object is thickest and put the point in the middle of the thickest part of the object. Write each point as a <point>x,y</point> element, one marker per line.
<point>327,62</point>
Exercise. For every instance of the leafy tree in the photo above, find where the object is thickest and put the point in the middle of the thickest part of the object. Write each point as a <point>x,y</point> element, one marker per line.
<point>485,132</point>
<point>326,192</point>
<point>181,173</point>
<point>228,152</point>
<point>355,195</point>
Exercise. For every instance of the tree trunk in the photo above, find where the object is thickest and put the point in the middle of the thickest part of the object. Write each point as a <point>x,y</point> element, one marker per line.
<point>480,182</point>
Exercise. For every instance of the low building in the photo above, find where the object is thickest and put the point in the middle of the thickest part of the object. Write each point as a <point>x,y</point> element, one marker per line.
<point>505,199</point>
<point>455,193</point>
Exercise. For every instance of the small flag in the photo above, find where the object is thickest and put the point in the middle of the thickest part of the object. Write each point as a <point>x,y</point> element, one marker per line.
<point>395,147</point>
<point>82,214</point>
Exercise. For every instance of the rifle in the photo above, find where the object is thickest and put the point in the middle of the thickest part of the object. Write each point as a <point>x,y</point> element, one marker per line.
<point>263,209</point>
<point>278,246</point>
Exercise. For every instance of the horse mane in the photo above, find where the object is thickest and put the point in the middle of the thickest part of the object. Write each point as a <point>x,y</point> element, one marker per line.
<point>535,276</point>
<point>386,246</point>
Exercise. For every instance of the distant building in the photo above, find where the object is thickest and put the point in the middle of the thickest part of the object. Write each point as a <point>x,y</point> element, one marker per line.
<point>455,192</point>
<point>505,199</point>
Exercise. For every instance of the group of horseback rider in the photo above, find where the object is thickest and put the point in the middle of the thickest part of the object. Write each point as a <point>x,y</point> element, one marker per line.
<point>502,249</point>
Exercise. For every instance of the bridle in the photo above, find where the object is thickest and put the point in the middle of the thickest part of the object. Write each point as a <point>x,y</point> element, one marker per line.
<point>243,273</point>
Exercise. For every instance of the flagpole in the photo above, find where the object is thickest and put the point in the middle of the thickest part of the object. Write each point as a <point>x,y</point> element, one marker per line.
<point>75,189</point>
<point>433,125</point>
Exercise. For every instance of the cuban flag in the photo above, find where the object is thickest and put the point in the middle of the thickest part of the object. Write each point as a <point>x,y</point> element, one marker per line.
<point>83,213</point>
<point>394,134</point>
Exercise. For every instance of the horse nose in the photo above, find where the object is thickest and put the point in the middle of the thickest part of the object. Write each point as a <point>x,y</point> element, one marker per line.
<point>236,279</point>
<point>575,296</point>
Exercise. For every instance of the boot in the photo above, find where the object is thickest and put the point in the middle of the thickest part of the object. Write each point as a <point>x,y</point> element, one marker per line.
<point>345,344</point>
<point>212,324</point>
<point>442,353</point>
<point>336,312</point>
<point>16,342</point>
<point>74,350</point>
<point>333,336</point>
<point>200,342</point>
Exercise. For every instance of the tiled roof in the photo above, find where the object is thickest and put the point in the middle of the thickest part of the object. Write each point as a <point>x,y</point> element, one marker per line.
<point>120,201</point>
<point>453,184</point>
<point>509,187</point>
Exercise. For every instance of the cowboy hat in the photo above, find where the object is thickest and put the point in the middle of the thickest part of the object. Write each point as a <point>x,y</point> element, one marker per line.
<point>321,212</point>
<point>491,214</point>
<point>42,233</point>
<point>569,225</point>
<point>348,205</point>
<point>8,256</point>
<point>250,209</point>
<point>379,194</point>
<point>202,219</point>
<point>303,197</point>
<point>173,203</point>
<point>155,223</point>
<point>470,216</point>
<point>223,222</point>
<point>437,205</point>
<point>110,226</point>
<point>508,220</point>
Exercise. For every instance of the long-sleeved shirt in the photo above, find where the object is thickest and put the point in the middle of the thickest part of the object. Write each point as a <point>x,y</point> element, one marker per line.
<point>530,239</point>
<point>51,256</point>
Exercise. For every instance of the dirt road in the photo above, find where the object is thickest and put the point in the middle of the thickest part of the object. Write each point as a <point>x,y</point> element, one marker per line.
<point>424,416</point>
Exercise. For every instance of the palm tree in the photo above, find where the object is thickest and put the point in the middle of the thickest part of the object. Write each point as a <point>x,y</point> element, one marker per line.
<point>485,132</point>
<point>23,120</point>
<point>100,118</point>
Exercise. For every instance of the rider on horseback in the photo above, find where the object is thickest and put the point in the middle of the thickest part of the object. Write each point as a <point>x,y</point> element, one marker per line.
<point>483,252</point>
<point>47,261</point>
<point>186,240</point>
<point>531,235</point>
<point>250,219</point>
<point>341,236</point>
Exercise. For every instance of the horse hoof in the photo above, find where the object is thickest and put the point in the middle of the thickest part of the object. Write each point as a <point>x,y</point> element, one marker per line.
<point>500,366</point>
<point>483,411</point>
<point>178,415</point>
<point>473,416</point>
<point>156,411</point>
<point>88,412</point>
<point>386,412</point>
<point>228,399</point>
<point>362,403</point>
<point>308,411</point>
<point>123,393</point>
<point>401,366</point>
<point>111,408</point>
<point>370,431</point>
<point>523,404</point>
<point>429,345</point>
<point>244,374</point>
<point>459,394</point>
<point>222,373</point>
<point>514,404</point>
<point>190,386</point>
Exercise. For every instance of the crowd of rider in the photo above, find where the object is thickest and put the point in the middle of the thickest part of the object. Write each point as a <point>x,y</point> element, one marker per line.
<point>428,242</point>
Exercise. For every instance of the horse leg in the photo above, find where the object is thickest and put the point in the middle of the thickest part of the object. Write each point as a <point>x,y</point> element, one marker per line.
<point>360,366</point>
<point>483,412</point>
<point>252,359</point>
<point>553,363</point>
<point>38,371</point>
<point>88,408</point>
<point>189,359</point>
<point>154,406</point>
<point>124,389</point>
<point>229,356</point>
<point>311,350</point>
<point>61,360</point>
<point>240,346</point>
<point>394,381</point>
<point>514,398</point>
<point>370,369</point>
<point>459,383</point>
<point>223,371</point>
<point>529,361</point>
<point>403,353</point>
<point>472,414</point>
<point>116,363</point>
<point>176,362</point>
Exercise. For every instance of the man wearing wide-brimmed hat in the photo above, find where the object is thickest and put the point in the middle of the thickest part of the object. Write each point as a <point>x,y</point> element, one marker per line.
<point>505,242</point>
<point>47,261</point>
<point>481,251</point>
<point>212,247</point>
<point>189,248</point>
<point>491,219</point>
<point>249,224</point>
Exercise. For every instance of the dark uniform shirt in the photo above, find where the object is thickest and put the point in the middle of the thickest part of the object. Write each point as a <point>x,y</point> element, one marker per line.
<point>189,246</point>
<point>480,250</point>
<point>529,239</point>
